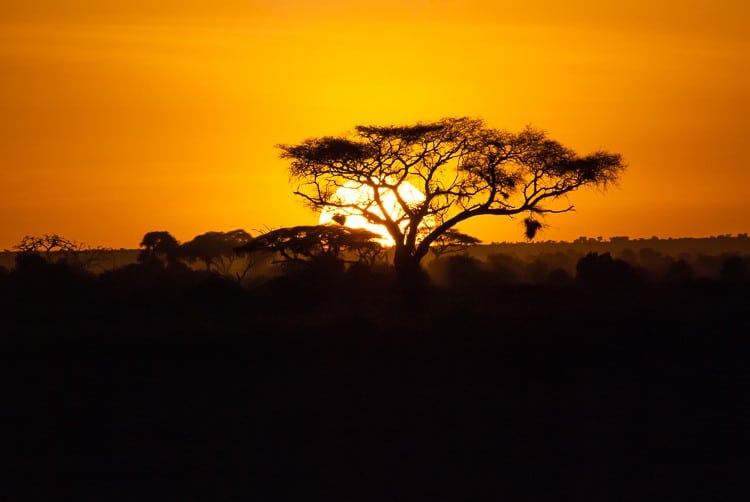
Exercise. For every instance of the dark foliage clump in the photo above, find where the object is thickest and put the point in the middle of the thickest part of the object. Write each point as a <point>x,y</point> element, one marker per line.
<point>33,271</point>
<point>601,270</point>
<point>734,269</point>
<point>461,272</point>
<point>559,277</point>
<point>505,268</point>
<point>679,272</point>
<point>150,282</point>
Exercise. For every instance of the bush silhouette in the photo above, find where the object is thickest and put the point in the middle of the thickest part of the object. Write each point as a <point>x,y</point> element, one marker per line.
<point>216,250</point>
<point>679,272</point>
<point>505,268</point>
<point>601,270</point>
<point>734,269</point>
<point>30,264</point>
<point>460,272</point>
<point>559,277</point>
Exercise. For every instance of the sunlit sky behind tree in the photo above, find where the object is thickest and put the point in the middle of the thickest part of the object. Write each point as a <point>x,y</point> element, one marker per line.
<point>125,116</point>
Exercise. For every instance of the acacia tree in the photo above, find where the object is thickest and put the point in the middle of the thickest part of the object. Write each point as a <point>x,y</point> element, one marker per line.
<point>49,244</point>
<point>216,251</point>
<point>318,244</point>
<point>159,247</point>
<point>452,241</point>
<point>55,248</point>
<point>463,168</point>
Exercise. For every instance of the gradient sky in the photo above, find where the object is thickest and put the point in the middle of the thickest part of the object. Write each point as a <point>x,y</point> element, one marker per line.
<point>125,116</point>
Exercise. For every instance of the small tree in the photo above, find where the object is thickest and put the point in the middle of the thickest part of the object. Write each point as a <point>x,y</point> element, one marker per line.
<point>216,250</point>
<point>49,245</point>
<point>452,241</point>
<point>55,248</point>
<point>160,248</point>
<point>463,168</point>
<point>318,244</point>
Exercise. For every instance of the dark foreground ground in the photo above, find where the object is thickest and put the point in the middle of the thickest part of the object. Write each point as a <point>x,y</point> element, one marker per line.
<point>309,393</point>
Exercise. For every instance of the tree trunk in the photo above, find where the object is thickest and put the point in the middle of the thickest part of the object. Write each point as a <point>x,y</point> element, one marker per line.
<point>410,275</point>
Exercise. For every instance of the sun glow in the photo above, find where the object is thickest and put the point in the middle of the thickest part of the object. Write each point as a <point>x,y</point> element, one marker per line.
<point>361,196</point>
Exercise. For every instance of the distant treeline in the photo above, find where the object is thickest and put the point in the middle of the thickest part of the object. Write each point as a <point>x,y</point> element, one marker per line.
<point>652,259</point>
<point>675,247</point>
<point>549,262</point>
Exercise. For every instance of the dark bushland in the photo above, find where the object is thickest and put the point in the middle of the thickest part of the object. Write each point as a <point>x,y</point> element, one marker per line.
<point>159,381</point>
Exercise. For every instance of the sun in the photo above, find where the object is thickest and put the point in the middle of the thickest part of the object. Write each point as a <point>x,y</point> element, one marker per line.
<point>361,195</point>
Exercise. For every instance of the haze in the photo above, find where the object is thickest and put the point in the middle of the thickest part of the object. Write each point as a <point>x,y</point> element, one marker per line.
<point>148,115</point>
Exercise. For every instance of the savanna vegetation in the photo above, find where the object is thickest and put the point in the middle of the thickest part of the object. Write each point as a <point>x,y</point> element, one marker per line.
<point>178,376</point>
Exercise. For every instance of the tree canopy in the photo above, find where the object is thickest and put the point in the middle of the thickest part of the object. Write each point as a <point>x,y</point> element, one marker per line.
<point>215,249</point>
<point>49,244</point>
<point>159,247</point>
<point>318,244</point>
<point>56,248</point>
<point>452,241</point>
<point>462,167</point>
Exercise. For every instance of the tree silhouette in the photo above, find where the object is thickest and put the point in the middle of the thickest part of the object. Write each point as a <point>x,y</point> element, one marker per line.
<point>48,244</point>
<point>733,269</point>
<point>452,241</point>
<point>602,271</point>
<point>56,248</point>
<point>679,271</point>
<point>160,248</point>
<point>462,167</point>
<point>216,251</point>
<point>319,244</point>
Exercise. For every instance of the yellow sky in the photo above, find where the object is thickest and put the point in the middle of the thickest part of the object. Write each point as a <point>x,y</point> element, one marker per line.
<point>152,114</point>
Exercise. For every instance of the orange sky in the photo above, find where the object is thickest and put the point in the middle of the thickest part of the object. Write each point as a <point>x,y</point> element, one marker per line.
<point>144,115</point>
